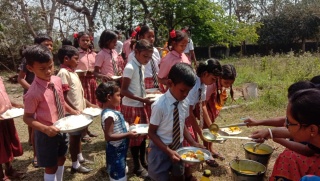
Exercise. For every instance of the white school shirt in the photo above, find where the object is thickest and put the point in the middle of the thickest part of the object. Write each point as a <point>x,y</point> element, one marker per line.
<point>148,69</point>
<point>162,116</point>
<point>131,71</point>
<point>117,125</point>
<point>189,46</point>
<point>193,96</point>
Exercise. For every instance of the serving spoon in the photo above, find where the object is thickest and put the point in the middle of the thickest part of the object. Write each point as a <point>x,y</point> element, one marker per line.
<point>212,137</point>
<point>215,128</point>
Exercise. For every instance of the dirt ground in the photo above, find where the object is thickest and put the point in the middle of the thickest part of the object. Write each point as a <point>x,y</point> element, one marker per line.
<point>96,149</point>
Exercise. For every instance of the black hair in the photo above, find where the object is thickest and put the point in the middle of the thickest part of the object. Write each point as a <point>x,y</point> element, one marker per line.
<point>143,30</point>
<point>37,53</point>
<point>106,37</point>
<point>66,41</point>
<point>142,45</point>
<point>77,36</point>
<point>21,50</point>
<point>67,50</point>
<point>179,36</point>
<point>41,38</point>
<point>182,73</point>
<point>315,79</point>
<point>229,73</point>
<point>305,106</point>
<point>212,66</point>
<point>105,89</point>
<point>301,85</point>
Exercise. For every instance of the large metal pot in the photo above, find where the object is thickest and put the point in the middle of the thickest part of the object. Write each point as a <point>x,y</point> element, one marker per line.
<point>261,154</point>
<point>247,170</point>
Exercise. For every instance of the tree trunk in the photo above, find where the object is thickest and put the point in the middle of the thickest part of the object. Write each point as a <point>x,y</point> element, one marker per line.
<point>303,45</point>
<point>26,18</point>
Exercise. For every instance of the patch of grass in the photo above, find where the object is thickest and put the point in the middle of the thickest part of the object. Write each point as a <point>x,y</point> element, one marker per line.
<point>273,74</point>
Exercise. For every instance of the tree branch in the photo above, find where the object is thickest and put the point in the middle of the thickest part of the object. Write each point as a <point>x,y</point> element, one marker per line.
<point>26,18</point>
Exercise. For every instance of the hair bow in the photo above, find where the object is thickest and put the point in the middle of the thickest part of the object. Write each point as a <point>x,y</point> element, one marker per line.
<point>75,35</point>
<point>173,34</point>
<point>138,28</point>
<point>133,34</point>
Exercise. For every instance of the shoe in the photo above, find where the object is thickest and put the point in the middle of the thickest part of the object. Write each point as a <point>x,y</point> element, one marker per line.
<point>85,161</point>
<point>80,169</point>
<point>142,173</point>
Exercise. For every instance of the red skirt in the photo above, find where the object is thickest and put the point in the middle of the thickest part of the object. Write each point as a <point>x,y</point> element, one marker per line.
<point>148,83</point>
<point>89,85</point>
<point>130,114</point>
<point>10,145</point>
<point>213,112</point>
<point>292,166</point>
<point>192,133</point>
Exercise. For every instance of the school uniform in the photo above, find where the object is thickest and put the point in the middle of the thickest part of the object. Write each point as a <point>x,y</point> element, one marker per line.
<point>133,108</point>
<point>211,97</point>
<point>188,48</point>
<point>116,151</point>
<point>126,48</point>
<point>106,59</point>
<point>196,95</point>
<point>151,68</point>
<point>168,61</point>
<point>40,99</point>
<point>72,84</point>
<point>162,116</point>
<point>10,145</point>
<point>88,81</point>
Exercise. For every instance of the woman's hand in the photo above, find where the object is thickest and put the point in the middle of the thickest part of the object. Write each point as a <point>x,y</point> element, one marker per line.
<point>251,122</point>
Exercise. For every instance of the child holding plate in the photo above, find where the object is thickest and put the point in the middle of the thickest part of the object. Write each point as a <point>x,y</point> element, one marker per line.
<point>74,97</point>
<point>115,130</point>
<point>10,145</point>
<point>45,99</point>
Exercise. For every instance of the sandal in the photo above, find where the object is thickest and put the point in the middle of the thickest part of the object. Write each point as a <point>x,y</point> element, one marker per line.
<point>218,156</point>
<point>14,174</point>
<point>35,163</point>
<point>212,163</point>
<point>86,139</point>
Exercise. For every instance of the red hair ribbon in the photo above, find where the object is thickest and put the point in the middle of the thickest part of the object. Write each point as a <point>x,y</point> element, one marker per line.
<point>133,34</point>
<point>91,38</point>
<point>138,28</point>
<point>75,35</point>
<point>173,34</point>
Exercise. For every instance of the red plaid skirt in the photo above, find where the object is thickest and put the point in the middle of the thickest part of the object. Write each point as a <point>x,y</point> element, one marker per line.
<point>89,85</point>
<point>148,83</point>
<point>192,133</point>
<point>10,145</point>
<point>130,114</point>
<point>292,166</point>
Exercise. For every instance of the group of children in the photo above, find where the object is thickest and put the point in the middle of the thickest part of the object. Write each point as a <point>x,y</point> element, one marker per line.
<point>172,118</point>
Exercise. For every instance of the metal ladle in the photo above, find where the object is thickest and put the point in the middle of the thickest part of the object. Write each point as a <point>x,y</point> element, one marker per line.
<point>212,137</point>
<point>215,128</point>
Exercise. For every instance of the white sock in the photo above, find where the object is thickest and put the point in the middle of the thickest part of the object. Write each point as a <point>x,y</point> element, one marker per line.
<point>59,173</point>
<point>75,164</point>
<point>49,177</point>
<point>80,157</point>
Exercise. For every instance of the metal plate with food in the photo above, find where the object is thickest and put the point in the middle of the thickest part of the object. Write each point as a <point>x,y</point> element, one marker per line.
<point>73,123</point>
<point>232,130</point>
<point>12,113</point>
<point>140,128</point>
<point>193,155</point>
<point>152,91</point>
<point>116,77</point>
<point>207,136</point>
<point>92,111</point>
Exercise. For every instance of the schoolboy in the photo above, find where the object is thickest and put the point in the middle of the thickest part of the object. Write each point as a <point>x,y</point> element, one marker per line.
<point>74,97</point>
<point>43,109</point>
<point>165,139</point>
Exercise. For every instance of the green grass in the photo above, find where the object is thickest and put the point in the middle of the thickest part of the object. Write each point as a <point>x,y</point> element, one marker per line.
<point>273,74</point>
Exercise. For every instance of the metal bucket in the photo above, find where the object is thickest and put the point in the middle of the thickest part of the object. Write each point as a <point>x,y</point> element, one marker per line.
<point>241,170</point>
<point>262,154</point>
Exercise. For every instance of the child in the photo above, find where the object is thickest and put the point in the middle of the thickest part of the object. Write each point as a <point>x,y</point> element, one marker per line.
<point>217,93</point>
<point>83,41</point>
<point>152,67</point>
<point>189,51</point>
<point>177,42</point>
<point>10,145</point>
<point>208,73</point>
<point>133,101</point>
<point>106,64</point>
<point>74,97</point>
<point>25,78</point>
<point>115,130</point>
<point>162,156</point>
<point>45,100</point>
<point>126,50</point>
